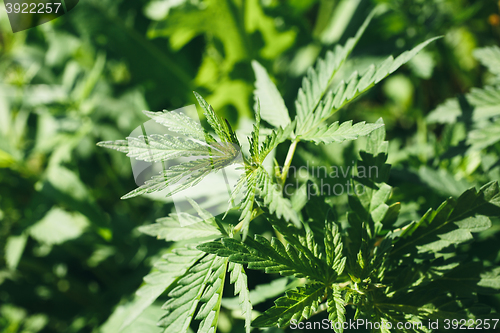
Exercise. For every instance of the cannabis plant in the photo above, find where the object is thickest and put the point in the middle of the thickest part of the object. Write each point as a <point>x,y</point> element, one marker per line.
<point>410,278</point>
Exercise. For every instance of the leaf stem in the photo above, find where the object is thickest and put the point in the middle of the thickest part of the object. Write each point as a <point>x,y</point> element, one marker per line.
<point>288,161</point>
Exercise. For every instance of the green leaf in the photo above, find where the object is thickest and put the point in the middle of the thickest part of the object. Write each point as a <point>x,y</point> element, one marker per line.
<point>452,223</point>
<point>273,109</point>
<point>262,292</point>
<point>347,91</point>
<point>213,155</point>
<point>485,104</point>
<point>274,139</point>
<point>336,308</point>
<point>167,270</point>
<point>221,128</point>
<point>318,79</point>
<point>164,147</point>
<point>339,133</point>
<point>146,322</point>
<point>14,248</point>
<point>334,247</point>
<point>203,283</point>
<point>442,181</point>
<point>298,304</point>
<point>246,185</point>
<point>257,183</point>
<point>179,122</point>
<point>489,57</point>
<point>369,204</point>
<point>239,279</point>
<point>185,226</point>
<point>260,254</point>
<point>186,174</point>
<point>305,242</point>
<point>490,280</point>
<point>484,136</point>
<point>274,200</point>
<point>170,229</point>
<point>254,138</point>
<point>58,226</point>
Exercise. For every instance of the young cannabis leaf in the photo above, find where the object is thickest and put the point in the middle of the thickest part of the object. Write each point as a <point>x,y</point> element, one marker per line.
<point>318,79</point>
<point>190,140</point>
<point>310,127</point>
<point>256,183</point>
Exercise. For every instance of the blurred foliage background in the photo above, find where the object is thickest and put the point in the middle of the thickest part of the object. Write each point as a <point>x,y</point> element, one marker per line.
<point>70,251</point>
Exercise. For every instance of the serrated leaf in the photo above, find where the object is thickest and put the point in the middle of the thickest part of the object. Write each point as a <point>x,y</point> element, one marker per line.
<point>452,223</point>
<point>221,128</point>
<point>168,269</point>
<point>318,79</point>
<point>339,133</point>
<point>304,241</point>
<point>355,86</point>
<point>260,254</point>
<point>247,184</point>
<point>163,147</point>
<point>272,108</point>
<point>298,304</point>
<point>334,247</point>
<point>185,175</point>
<point>239,279</point>
<point>203,283</point>
<point>262,292</point>
<point>369,204</point>
<point>179,122</point>
<point>170,229</point>
<point>212,155</point>
<point>274,200</point>
<point>274,139</point>
<point>336,308</point>
<point>254,138</point>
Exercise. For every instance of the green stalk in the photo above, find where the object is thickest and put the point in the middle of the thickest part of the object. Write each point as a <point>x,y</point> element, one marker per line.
<point>288,161</point>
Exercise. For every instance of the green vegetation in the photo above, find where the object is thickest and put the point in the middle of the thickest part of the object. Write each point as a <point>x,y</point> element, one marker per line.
<point>395,218</point>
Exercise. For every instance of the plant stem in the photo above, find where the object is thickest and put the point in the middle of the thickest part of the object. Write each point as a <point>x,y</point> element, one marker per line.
<point>288,161</point>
